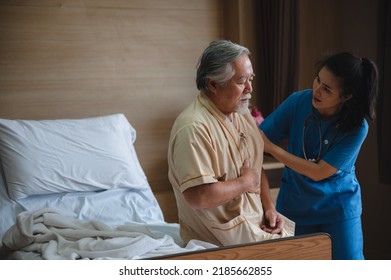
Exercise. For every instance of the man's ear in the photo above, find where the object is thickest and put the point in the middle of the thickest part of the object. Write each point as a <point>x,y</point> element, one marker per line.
<point>212,86</point>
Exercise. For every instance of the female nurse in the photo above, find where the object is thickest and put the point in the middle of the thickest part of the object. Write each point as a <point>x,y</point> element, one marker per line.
<point>324,128</point>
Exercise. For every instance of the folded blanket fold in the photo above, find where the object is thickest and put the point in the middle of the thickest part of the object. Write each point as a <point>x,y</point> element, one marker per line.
<point>56,236</point>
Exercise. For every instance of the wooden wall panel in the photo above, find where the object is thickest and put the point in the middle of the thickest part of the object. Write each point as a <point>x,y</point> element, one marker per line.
<point>73,59</point>
<point>320,33</point>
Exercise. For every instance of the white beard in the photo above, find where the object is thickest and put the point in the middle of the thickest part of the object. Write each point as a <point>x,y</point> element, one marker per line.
<point>243,104</point>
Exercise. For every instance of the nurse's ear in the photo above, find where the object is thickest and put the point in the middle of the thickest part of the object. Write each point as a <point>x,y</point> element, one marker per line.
<point>346,98</point>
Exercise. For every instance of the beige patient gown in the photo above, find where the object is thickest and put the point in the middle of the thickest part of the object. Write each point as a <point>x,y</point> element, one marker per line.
<point>206,147</point>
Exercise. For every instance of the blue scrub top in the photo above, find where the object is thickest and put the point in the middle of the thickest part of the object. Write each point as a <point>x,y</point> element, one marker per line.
<point>300,198</point>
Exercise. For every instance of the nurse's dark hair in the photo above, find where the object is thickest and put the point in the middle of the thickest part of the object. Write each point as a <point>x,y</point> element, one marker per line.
<point>358,78</point>
<point>215,63</point>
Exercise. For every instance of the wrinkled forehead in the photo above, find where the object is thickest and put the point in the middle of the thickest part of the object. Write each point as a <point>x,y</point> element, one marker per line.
<point>243,68</point>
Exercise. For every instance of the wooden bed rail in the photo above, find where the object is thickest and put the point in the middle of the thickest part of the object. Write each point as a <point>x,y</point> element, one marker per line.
<point>305,247</point>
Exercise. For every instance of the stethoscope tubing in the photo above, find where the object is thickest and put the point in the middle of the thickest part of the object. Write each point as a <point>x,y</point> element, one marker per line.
<point>320,137</point>
<point>329,143</point>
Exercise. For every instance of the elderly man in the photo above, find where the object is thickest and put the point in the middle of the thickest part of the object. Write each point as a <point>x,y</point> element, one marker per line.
<point>215,157</point>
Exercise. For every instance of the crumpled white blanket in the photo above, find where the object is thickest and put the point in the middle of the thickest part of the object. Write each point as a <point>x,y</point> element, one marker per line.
<point>55,236</point>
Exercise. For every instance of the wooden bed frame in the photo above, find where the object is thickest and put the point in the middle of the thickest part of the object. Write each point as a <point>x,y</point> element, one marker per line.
<point>306,247</point>
<point>78,59</point>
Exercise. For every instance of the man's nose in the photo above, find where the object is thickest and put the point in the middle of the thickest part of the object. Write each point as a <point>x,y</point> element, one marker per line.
<point>249,87</point>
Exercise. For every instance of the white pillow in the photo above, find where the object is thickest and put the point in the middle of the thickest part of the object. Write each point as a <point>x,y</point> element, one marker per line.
<point>69,155</point>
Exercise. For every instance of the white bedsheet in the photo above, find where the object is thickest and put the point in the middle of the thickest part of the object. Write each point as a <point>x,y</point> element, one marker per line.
<point>56,236</point>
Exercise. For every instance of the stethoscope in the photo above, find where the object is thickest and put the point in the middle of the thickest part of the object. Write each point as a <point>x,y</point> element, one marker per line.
<point>308,118</point>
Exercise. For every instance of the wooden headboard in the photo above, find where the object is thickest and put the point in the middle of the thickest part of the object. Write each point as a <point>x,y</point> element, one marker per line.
<point>76,59</point>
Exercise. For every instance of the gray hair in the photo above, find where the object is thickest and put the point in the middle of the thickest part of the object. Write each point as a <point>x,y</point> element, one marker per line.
<point>215,63</point>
